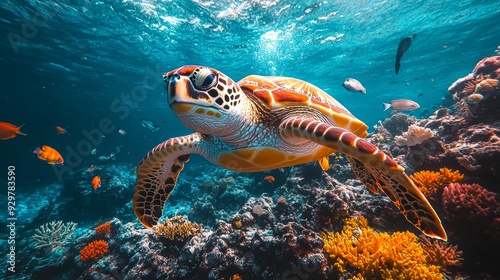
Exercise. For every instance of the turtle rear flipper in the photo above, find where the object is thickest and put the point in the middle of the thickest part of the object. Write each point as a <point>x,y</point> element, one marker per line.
<point>157,175</point>
<point>374,168</point>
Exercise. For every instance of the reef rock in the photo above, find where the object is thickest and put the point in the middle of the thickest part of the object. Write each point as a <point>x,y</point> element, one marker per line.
<point>466,137</point>
<point>487,66</point>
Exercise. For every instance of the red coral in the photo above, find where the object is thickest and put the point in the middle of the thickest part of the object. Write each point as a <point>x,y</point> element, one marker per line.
<point>469,201</point>
<point>103,229</point>
<point>94,250</point>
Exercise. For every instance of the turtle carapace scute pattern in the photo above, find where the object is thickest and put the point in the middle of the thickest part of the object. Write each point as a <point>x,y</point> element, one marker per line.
<point>262,123</point>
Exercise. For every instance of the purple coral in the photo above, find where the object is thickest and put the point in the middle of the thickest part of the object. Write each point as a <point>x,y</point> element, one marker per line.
<point>469,201</point>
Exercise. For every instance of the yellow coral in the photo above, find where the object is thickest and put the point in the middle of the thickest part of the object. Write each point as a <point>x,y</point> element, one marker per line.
<point>177,227</point>
<point>431,183</point>
<point>237,224</point>
<point>376,255</point>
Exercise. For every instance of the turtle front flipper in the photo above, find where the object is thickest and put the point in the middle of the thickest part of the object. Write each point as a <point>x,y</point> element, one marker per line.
<point>157,175</point>
<point>373,167</point>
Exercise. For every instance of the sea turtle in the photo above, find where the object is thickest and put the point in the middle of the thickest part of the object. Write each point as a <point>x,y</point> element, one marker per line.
<point>262,123</point>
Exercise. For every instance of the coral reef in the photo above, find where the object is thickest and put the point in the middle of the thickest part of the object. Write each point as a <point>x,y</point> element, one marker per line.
<point>477,147</point>
<point>177,227</point>
<point>274,236</point>
<point>477,95</point>
<point>94,251</point>
<point>54,235</point>
<point>440,253</point>
<point>467,137</point>
<point>103,229</point>
<point>359,250</point>
<point>469,201</point>
<point>414,136</point>
<point>431,183</point>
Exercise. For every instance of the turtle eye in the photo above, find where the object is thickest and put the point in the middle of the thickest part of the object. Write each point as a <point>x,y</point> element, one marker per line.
<point>204,79</point>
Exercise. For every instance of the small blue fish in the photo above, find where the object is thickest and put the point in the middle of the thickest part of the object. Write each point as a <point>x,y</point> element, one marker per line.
<point>149,125</point>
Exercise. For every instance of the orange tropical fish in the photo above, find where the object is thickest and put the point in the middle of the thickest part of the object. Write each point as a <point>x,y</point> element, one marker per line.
<point>61,130</point>
<point>269,178</point>
<point>49,154</point>
<point>8,131</point>
<point>96,182</point>
<point>91,168</point>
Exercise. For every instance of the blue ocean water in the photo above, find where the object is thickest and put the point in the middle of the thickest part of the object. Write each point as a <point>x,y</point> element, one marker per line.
<point>94,67</point>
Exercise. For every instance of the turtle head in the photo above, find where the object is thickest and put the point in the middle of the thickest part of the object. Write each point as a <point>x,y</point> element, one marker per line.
<point>203,98</point>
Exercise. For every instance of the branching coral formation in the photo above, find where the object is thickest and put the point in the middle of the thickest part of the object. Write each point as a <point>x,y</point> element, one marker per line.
<point>54,235</point>
<point>376,255</point>
<point>177,227</point>
<point>94,251</point>
<point>441,253</point>
<point>431,183</point>
<point>469,201</point>
<point>103,229</point>
<point>414,136</point>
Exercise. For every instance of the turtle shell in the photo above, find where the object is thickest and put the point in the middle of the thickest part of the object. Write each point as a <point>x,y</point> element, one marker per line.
<point>286,92</point>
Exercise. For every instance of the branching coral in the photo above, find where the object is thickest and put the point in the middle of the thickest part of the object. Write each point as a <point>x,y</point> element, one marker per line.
<point>469,201</point>
<point>94,251</point>
<point>447,176</point>
<point>414,136</point>
<point>376,255</point>
<point>431,183</point>
<point>103,229</point>
<point>54,235</point>
<point>177,227</point>
<point>426,181</point>
<point>441,253</point>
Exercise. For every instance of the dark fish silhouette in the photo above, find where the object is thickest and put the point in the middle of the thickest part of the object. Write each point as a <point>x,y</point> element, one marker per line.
<point>404,45</point>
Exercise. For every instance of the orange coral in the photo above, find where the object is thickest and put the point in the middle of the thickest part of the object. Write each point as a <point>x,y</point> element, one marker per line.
<point>426,181</point>
<point>448,176</point>
<point>360,250</point>
<point>103,229</point>
<point>94,250</point>
<point>431,183</point>
<point>236,277</point>
<point>441,253</point>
